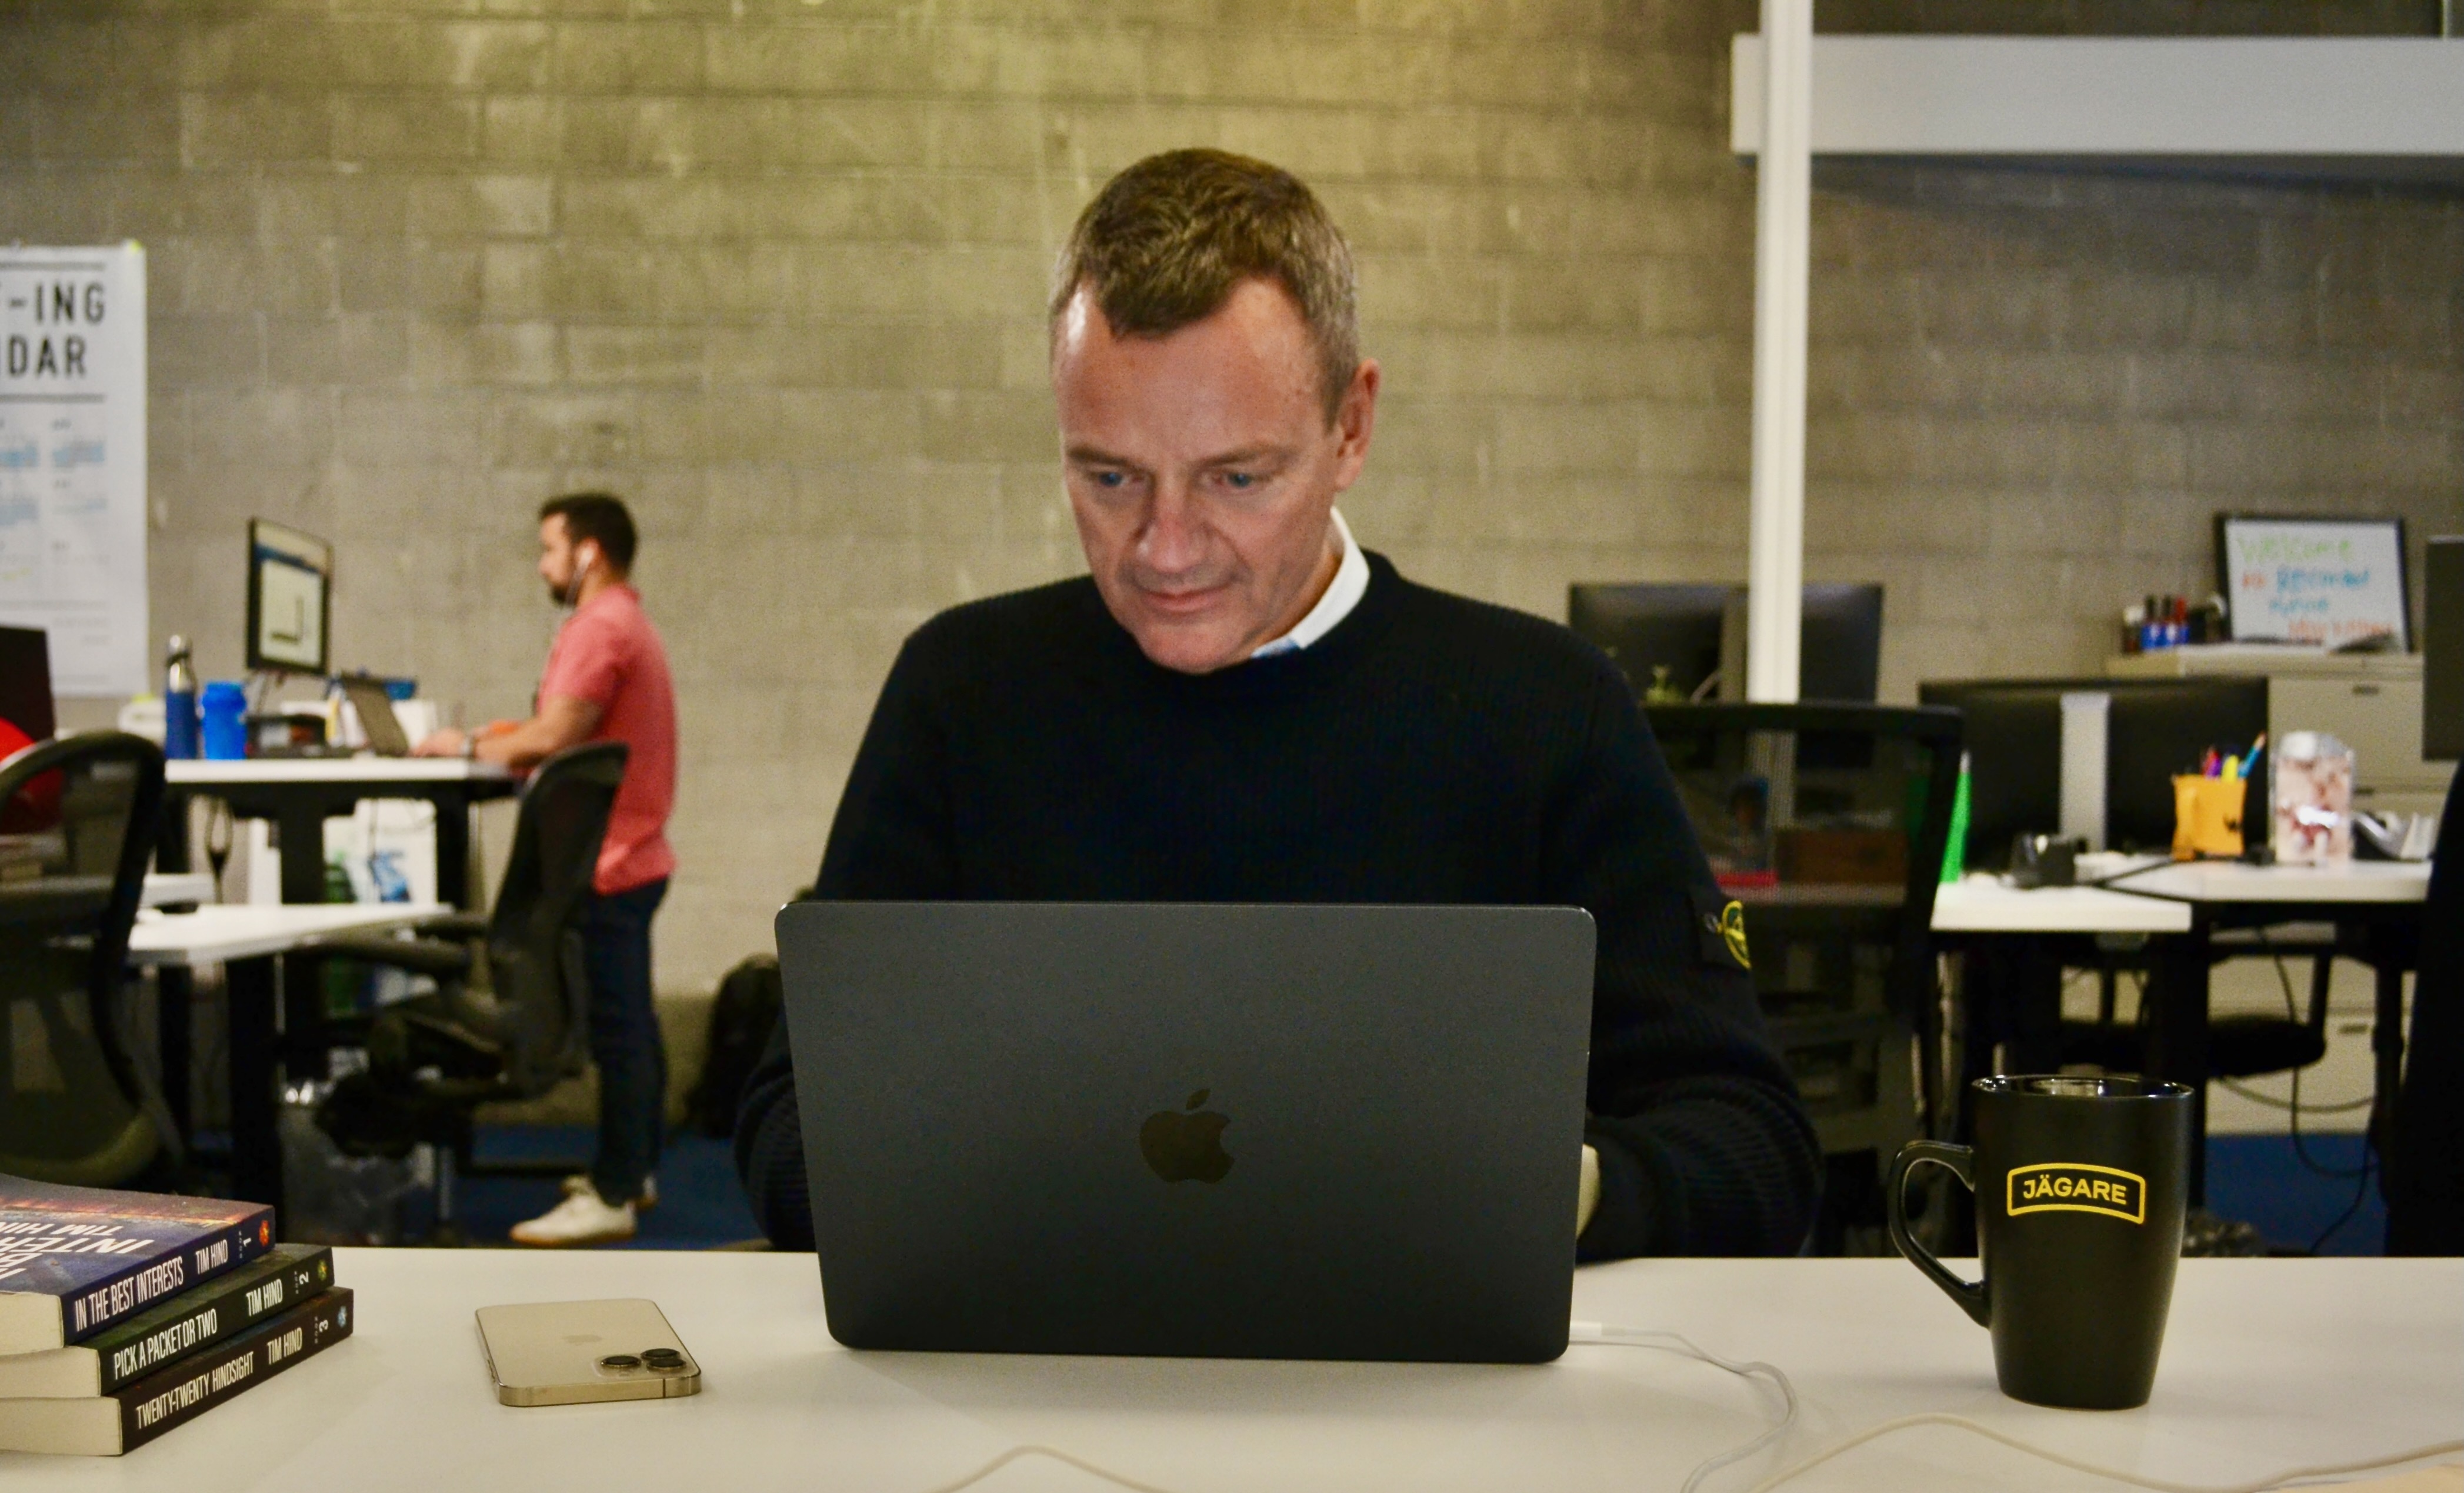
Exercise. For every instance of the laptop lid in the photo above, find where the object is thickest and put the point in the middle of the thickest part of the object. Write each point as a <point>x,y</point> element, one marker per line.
<point>1220,1130</point>
<point>377,720</point>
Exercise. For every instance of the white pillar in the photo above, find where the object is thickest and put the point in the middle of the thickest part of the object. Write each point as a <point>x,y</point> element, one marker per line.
<point>1783,193</point>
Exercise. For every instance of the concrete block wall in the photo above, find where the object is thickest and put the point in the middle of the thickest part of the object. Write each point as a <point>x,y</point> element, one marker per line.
<point>774,269</point>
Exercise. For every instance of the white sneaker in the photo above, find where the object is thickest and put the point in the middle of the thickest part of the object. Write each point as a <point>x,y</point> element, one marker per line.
<point>580,1183</point>
<point>581,1218</point>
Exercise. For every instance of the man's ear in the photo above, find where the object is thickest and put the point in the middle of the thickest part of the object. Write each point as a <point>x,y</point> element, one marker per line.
<point>1355,420</point>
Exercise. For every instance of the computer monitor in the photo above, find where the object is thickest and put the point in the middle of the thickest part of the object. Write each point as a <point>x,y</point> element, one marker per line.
<point>2162,727</point>
<point>2442,652</point>
<point>1840,644</point>
<point>26,682</point>
<point>290,599</point>
<point>2155,727</point>
<point>1646,628</point>
<point>1694,631</point>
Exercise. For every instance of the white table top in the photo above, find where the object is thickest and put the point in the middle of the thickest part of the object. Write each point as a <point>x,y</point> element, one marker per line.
<point>229,931</point>
<point>368,768</point>
<point>2230,881</point>
<point>1983,904</point>
<point>166,887</point>
<point>2268,1364</point>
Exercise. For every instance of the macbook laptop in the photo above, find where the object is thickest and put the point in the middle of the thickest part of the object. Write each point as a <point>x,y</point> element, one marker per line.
<point>1220,1130</point>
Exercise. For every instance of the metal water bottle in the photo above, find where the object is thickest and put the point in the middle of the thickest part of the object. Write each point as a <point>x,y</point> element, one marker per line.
<point>179,701</point>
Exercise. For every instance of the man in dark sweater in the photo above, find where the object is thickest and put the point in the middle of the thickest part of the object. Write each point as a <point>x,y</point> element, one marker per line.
<point>1240,704</point>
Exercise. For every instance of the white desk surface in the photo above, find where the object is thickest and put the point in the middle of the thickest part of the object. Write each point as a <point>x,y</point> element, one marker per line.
<point>1986,904</point>
<point>212,934</point>
<point>199,773</point>
<point>162,886</point>
<point>2268,1364</point>
<point>2229,881</point>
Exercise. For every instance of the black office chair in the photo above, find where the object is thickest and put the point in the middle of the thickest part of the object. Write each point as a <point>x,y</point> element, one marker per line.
<point>2242,1044</point>
<point>510,1017</point>
<point>78,822</point>
<point>1828,823</point>
<point>2423,1185</point>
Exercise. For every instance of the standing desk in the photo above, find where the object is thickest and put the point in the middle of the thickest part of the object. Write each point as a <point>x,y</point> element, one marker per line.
<point>300,794</point>
<point>2268,1364</point>
<point>2376,907</point>
<point>2015,944</point>
<point>246,940</point>
<point>168,889</point>
<point>1984,905</point>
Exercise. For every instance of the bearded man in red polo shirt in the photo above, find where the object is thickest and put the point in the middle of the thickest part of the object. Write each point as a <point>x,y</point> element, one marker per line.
<point>605,680</point>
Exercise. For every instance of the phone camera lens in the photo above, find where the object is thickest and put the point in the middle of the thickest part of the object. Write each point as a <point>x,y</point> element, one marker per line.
<point>618,1362</point>
<point>663,1360</point>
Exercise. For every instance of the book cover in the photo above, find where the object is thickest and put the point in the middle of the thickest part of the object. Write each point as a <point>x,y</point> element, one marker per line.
<point>196,1319</point>
<point>106,1425</point>
<point>76,1259</point>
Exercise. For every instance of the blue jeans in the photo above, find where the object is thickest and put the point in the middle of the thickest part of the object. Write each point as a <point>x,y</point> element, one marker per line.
<point>624,1039</point>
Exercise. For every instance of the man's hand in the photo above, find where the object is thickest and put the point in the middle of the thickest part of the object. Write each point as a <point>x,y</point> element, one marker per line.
<point>447,742</point>
<point>1587,1195</point>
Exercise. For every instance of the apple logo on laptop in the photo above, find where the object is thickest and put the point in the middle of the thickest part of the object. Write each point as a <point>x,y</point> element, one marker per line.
<point>1186,1146</point>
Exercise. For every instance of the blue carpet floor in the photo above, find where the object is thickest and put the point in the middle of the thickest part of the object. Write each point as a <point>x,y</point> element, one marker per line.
<point>2261,1179</point>
<point>700,1203</point>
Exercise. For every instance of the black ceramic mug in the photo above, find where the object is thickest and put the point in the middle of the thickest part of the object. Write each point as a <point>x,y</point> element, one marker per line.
<point>2081,1186</point>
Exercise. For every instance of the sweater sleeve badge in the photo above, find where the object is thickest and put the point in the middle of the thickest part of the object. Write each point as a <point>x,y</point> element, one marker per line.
<point>1720,930</point>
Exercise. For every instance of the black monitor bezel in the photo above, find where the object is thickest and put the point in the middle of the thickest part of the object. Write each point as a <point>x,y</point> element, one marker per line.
<point>256,661</point>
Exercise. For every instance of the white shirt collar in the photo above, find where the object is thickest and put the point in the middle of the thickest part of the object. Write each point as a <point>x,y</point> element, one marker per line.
<point>1343,593</point>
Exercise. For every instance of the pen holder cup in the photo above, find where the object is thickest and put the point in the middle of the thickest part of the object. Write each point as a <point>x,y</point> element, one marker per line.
<point>2207,816</point>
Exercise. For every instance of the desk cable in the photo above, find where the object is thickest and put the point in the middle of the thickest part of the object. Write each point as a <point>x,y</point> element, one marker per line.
<point>1600,1334</point>
<point>1636,1337</point>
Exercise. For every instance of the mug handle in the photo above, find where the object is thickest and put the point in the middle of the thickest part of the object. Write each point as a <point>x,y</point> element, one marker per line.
<point>1961,1161</point>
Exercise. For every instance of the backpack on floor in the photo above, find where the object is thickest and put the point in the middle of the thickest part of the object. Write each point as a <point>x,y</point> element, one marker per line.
<point>741,1020</point>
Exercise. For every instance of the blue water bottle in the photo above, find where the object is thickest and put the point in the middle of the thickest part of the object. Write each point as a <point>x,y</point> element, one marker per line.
<point>179,702</point>
<point>223,729</point>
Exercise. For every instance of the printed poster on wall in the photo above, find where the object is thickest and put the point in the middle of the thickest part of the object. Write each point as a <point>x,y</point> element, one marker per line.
<point>2320,581</point>
<point>72,461</point>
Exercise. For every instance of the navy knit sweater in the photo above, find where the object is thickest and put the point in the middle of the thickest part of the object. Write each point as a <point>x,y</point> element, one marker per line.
<point>1429,750</point>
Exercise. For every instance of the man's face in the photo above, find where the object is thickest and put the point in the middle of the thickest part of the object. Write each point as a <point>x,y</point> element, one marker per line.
<point>560,563</point>
<point>1202,471</point>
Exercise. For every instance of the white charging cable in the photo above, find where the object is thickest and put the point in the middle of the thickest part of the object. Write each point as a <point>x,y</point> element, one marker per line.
<point>1671,1342</point>
<point>1039,1449</point>
<point>1638,1337</point>
<point>2276,1480</point>
<point>1602,1335</point>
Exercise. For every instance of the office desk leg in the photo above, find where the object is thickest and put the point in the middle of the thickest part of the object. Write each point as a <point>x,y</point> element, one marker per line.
<point>302,827</point>
<point>2387,1052</point>
<point>174,989</point>
<point>452,848</point>
<point>171,840</point>
<point>2177,1048</point>
<point>255,1042</point>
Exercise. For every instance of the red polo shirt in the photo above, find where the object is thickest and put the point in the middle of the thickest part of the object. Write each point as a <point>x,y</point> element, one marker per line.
<point>610,655</point>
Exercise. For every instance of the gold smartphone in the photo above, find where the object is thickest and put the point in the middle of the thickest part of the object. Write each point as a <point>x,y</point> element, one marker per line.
<point>575,1352</point>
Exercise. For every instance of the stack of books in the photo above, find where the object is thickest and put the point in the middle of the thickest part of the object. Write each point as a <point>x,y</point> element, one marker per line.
<point>125,1314</point>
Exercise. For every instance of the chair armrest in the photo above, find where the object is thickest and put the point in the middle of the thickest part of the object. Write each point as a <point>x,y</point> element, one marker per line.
<point>455,925</point>
<point>419,956</point>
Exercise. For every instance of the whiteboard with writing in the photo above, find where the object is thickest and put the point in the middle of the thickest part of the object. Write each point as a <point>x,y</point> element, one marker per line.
<point>72,461</point>
<point>2325,580</point>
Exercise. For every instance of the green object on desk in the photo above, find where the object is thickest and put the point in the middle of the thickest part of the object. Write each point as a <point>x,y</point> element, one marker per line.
<point>1954,845</point>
